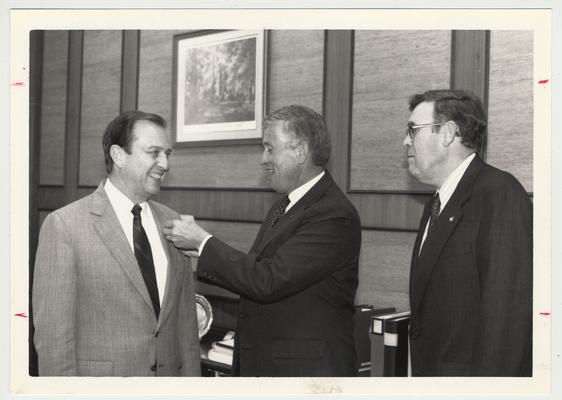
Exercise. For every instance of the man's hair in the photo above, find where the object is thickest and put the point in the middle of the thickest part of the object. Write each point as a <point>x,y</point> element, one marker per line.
<point>462,107</point>
<point>120,132</point>
<point>304,124</point>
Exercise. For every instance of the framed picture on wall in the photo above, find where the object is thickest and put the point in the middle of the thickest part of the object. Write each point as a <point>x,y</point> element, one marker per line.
<point>218,87</point>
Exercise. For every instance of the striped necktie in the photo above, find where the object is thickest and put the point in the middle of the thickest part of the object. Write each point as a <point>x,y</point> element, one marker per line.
<point>143,254</point>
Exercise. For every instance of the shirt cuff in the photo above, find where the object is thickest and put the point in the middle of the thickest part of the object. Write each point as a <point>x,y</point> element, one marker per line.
<point>203,244</point>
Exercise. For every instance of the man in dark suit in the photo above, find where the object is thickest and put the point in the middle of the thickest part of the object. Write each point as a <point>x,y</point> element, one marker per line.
<point>297,284</point>
<point>472,263</point>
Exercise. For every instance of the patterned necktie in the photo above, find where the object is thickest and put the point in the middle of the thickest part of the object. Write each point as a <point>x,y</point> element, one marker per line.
<point>435,208</point>
<point>276,213</point>
<point>143,254</point>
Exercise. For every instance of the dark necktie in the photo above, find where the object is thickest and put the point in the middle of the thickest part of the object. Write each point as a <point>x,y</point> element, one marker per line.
<point>143,254</point>
<point>276,213</point>
<point>435,208</point>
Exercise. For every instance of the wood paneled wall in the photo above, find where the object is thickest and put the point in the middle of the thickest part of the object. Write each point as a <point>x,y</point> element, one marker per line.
<point>390,66</point>
<point>361,82</point>
<point>510,125</point>
<point>101,99</point>
<point>53,116</point>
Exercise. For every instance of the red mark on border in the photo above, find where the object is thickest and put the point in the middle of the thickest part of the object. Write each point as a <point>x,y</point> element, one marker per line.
<point>18,84</point>
<point>546,314</point>
<point>21,314</point>
<point>543,81</point>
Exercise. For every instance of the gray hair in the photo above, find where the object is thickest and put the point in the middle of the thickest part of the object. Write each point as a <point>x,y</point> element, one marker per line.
<point>304,124</point>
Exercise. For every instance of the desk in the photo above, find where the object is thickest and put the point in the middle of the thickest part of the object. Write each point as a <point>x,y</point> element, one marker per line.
<point>209,367</point>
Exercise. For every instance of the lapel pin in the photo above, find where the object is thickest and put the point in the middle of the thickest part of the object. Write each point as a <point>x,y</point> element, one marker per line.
<point>451,219</point>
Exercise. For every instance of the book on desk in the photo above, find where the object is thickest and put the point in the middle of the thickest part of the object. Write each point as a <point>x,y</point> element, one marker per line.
<point>222,351</point>
<point>362,321</point>
<point>383,359</point>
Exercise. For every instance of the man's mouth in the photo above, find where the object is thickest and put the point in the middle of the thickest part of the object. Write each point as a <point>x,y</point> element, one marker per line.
<point>157,175</point>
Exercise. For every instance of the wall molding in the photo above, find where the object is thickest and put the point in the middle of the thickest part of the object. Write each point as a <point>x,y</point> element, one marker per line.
<point>470,67</point>
<point>338,100</point>
<point>130,56</point>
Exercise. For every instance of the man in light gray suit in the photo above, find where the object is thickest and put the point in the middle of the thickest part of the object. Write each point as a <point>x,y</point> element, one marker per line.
<point>111,296</point>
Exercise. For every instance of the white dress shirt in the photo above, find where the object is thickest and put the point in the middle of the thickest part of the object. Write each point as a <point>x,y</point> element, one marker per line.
<point>448,188</point>
<point>122,206</point>
<point>294,197</point>
<point>299,192</point>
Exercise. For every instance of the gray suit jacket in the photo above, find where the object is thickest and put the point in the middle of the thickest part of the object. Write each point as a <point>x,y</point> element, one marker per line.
<point>91,309</point>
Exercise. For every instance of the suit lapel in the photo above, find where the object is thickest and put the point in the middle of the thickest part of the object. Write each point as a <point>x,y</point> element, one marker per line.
<point>174,263</point>
<point>111,233</point>
<point>440,233</point>
<point>261,232</point>
<point>300,206</point>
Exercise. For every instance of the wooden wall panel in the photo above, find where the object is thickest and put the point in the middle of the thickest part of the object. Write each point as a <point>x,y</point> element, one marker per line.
<point>130,70</point>
<point>390,66</point>
<point>101,86</point>
<point>384,269</point>
<point>225,205</point>
<point>338,101</point>
<point>42,215</point>
<point>296,65</point>
<point>217,167</point>
<point>155,72</point>
<point>53,111</point>
<point>510,110</point>
<point>389,210</point>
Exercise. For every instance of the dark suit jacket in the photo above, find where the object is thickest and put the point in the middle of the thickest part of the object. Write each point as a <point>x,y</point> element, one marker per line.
<point>471,287</point>
<point>297,286</point>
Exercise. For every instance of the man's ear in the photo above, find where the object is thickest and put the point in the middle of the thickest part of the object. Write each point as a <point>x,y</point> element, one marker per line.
<point>449,131</point>
<point>117,154</point>
<point>302,151</point>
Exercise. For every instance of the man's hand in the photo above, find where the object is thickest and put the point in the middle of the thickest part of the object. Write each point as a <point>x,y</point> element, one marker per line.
<point>185,234</point>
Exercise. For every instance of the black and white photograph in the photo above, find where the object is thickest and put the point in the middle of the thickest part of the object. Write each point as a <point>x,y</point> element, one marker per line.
<point>354,206</point>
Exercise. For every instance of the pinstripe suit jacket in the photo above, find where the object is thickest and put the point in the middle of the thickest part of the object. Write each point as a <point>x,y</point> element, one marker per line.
<point>91,309</point>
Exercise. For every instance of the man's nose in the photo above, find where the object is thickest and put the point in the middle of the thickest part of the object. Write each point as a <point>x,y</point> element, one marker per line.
<point>264,158</point>
<point>407,141</point>
<point>164,161</point>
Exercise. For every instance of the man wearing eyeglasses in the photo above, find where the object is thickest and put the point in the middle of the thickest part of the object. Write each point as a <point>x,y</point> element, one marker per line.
<point>472,263</point>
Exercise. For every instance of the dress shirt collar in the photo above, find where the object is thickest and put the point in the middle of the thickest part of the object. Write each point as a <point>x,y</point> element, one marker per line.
<point>121,203</point>
<point>299,192</point>
<point>447,189</point>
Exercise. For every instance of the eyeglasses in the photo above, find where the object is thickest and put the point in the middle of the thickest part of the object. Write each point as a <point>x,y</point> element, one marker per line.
<point>412,130</point>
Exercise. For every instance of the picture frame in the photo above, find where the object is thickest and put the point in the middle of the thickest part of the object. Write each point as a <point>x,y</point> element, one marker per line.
<point>218,87</point>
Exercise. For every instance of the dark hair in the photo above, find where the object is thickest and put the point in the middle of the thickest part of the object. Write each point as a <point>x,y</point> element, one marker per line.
<point>304,124</point>
<point>120,132</point>
<point>462,107</point>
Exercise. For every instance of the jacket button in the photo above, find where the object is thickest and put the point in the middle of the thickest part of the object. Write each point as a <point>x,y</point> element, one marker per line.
<point>153,368</point>
<point>243,315</point>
